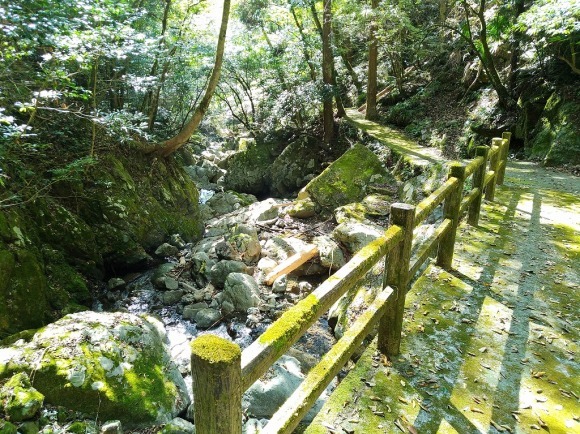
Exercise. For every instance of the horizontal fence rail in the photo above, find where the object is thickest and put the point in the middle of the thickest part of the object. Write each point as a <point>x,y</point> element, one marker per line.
<point>222,372</point>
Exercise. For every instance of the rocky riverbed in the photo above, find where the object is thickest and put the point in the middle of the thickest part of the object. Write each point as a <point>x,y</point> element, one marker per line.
<point>216,285</point>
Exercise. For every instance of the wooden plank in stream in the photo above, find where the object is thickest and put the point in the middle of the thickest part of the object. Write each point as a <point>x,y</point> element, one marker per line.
<point>290,264</point>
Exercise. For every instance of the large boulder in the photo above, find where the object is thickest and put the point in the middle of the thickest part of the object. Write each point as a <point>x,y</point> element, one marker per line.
<point>248,171</point>
<point>556,138</point>
<point>355,235</point>
<point>348,179</point>
<point>114,365</point>
<point>242,291</point>
<point>296,165</point>
<point>268,394</point>
<point>225,202</point>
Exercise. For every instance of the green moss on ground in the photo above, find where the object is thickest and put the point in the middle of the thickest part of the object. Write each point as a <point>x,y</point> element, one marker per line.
<point>496,337</point>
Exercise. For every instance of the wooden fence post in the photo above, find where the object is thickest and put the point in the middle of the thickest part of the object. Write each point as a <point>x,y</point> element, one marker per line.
<point>391,324</point>
<point>506,139</point>
<point>478,182</point>
<point>216,367</point>
<point>494,166</point>
<point>451,211</point>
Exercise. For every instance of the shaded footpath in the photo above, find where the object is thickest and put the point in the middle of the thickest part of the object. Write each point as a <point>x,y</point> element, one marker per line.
<point>493,345</point>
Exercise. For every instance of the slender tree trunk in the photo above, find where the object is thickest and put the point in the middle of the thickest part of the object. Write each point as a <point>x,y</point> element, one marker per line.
<point>343,52</point>
<point>191,126</point>
<point>371,112</point>
<point>485,55</point>
<point>307,56</point>
<point>327,62</point>
<point>519,6</point>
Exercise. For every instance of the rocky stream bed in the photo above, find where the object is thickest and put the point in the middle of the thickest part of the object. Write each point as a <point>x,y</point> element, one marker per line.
<point>126,363</point>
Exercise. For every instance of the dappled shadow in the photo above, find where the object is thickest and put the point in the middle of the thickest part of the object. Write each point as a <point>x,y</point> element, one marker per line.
<point>491,346</point>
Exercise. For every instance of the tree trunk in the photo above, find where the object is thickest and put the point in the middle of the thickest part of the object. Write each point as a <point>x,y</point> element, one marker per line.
<point>307,56</point>
<point>519,6</point>
<point>371,113</point>
<point>190,127</point>
<point>327,63</point>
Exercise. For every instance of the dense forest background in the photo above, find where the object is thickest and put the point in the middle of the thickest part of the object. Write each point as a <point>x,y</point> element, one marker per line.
<point>98,97</point>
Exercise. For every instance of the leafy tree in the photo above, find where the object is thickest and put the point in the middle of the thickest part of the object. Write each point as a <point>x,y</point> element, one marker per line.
<point>554,28</point>
<point>174,143</point>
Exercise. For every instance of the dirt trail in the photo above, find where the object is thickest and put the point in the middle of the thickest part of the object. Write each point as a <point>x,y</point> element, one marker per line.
<point>492,346</point>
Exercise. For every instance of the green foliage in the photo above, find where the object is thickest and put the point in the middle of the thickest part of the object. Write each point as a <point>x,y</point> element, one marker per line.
<point>553,27</point>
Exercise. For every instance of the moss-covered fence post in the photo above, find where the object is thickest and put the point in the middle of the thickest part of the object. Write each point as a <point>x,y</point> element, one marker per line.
<point>506,139</point>
<point>494,167</point>
<point>451,211</point>
<point>397,267</point>
<point>216,366</point>
<point>478,182</point>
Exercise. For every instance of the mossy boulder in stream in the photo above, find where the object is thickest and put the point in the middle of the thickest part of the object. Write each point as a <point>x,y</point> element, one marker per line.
<point>348,179</point>
<point>114,365</point>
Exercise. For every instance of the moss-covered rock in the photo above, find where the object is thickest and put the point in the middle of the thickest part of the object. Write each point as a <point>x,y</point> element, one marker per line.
<point>123,207</point>
<point>24,302</point>
<point>249,170</point>
<point>115,365</point>
<point>19,399</point>
<point>556,138</point>
<point>302,209</point>
<point>7,427</point>
<point>296,165</point>
<point>347,179</point>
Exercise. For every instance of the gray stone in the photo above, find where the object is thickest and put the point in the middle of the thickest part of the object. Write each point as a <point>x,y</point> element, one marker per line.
<point>170,283</point>
<point>171,297</point>
<point>115,283</point>
<point>265,265</point>
<point>166,249</point>
<point>177,241</point>
<point>206,318</point>
<point>228,307</point>
<point>266,396</point>
<point>160,272</point>
<point>228,201</point>
<point>377,205</point>
<point>329,251</point>
<point>178,426</point>
<point>280,284</point>
<point>190,311</point>
<point>242,291</point>
<point>220,271</point>
<point>112,427</point>
<point>302,209</point>
<point>356,235</point>
<point>352,211</point>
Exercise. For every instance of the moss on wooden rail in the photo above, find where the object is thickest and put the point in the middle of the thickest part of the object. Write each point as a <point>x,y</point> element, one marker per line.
<point>429,245</point>
<point>283,333</point>
<point>468,200</point>
<point>300,402</point>
<point>427,205</point>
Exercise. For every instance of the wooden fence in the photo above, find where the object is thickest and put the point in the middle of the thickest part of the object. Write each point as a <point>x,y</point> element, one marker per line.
<point>222,372</point>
